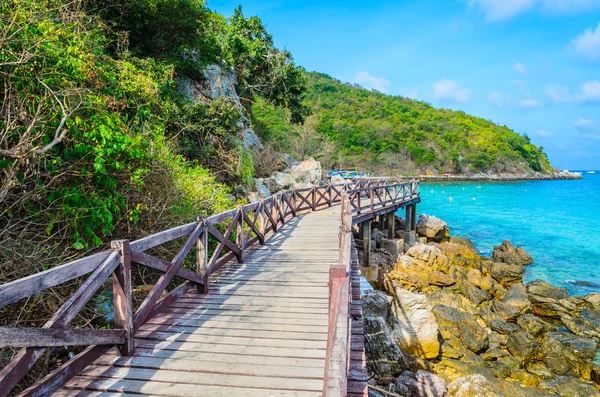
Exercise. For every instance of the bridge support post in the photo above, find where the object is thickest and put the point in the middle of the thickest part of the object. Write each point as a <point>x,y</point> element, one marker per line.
<point>123,305</point>
<point>202,257</point>
<point>391,225</point>
<point>365,229</point>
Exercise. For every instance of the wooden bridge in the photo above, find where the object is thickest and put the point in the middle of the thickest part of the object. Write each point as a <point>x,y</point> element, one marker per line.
<point>269,305</point>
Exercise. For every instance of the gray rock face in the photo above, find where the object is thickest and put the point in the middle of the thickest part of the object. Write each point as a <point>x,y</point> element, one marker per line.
<point>262,190</point>
<point>522,345</point>
<point>337,180</point>
<point>279,181</point>
<point>433,228</point>
<point>307,171</point>
<point>387,360</point>
<point>506,273</point>
<point>376,304</point>
<point>420,384</point>
<point>507,253</point>
<point>218,82</point>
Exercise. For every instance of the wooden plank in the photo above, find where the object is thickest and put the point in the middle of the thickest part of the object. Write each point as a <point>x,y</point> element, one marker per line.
<point>181,307</point>
<point>230,340</point>
<point>157,239</point>
<point>226,323</point>
<point>153,296</point>
<point>175,390</point>
<point>245,319</point>
<point>122,296</point>
<point>238,333</point>
<point>64,373</point>
<point>193,376</point>
<point>162,265</point>
<point>38,282</point>
<point>14,371</point>
<point>241,350</point>
<point>47,337</point>
<point>248,313</point>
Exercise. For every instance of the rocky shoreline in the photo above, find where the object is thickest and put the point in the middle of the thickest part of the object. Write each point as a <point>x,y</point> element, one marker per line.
<point>443,320</point>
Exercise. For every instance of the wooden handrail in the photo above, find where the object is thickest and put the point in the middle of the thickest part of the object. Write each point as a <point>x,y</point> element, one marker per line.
<point>233,232</point>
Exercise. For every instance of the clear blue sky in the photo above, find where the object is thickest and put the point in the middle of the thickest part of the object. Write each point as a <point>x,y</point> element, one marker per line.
<point>533,65</point>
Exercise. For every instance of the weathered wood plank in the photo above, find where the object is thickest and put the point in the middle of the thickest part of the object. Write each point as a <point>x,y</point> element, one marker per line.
<point>157,239</point>
<point>162,265</point>
<point>14,371</point>
<point>38,282</point>
<point>274,379</point>
<point>148,304</point>
<point>47,337</point>
<point>175,390</point>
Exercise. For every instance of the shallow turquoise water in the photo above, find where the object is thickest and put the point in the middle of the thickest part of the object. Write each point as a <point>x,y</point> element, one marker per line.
<point>557,222</point>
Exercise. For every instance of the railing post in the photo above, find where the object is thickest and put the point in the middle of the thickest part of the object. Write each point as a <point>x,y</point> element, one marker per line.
<point>313,198</point>
<point>239,234</point>
<point>202,256</point>
<point>123,305</point>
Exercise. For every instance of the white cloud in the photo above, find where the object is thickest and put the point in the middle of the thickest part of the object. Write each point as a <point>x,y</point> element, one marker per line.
<point>499,99</point>
<point>544,134</point>
<point>520,68</point>
<point>498,10</point>
<point>448,90</point>
<point>587,44</point>
<point>368,81</point>
<point>529,103</point>
<point>590,92</point>
<point>593,136</point>
<point>584,124</point>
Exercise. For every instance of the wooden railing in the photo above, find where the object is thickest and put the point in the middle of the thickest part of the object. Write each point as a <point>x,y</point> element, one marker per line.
<point>229,235</point>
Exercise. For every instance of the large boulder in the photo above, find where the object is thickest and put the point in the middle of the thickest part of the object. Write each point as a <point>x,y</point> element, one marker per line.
<point>507,253</point>
<point>376,304</point>
<point>433,228</point>
<point>307,171</point>
<point>385,357</point>
<point>419,384</point>
<point>430,255</point>
<point>507,274</point>
<point>337,180</point>
<point>279,181</point>
<point>262,190</point>
<point>414,325</point>
<point>523,346</point>
<point>566,353</point>
<point>455,322</point>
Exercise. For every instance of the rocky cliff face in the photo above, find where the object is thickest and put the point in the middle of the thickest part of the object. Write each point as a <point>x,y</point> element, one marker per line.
<point>219,82</point>
<point>479,327</point>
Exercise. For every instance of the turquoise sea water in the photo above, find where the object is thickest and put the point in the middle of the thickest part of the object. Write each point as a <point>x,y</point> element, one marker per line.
<point>557,222</point>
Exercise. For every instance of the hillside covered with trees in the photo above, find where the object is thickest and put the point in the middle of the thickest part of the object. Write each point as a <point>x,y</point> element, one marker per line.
<point>351,127</point>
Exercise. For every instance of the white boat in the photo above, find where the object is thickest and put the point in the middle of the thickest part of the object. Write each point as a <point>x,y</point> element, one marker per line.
<point>591,172</point>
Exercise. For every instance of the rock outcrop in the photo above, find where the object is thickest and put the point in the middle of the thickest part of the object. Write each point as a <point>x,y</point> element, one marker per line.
<point>219,82</point>
<point>486,332</point>
<point>433,228</point>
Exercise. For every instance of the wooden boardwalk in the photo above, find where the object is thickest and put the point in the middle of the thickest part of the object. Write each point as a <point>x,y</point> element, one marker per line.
<point>271,307</point>
<point>260,331</point>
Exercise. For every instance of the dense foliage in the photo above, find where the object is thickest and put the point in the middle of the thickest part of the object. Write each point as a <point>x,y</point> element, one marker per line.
<point>391,134</point>
<point>95,138</point>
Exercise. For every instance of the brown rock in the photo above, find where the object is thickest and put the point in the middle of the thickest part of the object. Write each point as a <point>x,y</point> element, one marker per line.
<point>507,253</point>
